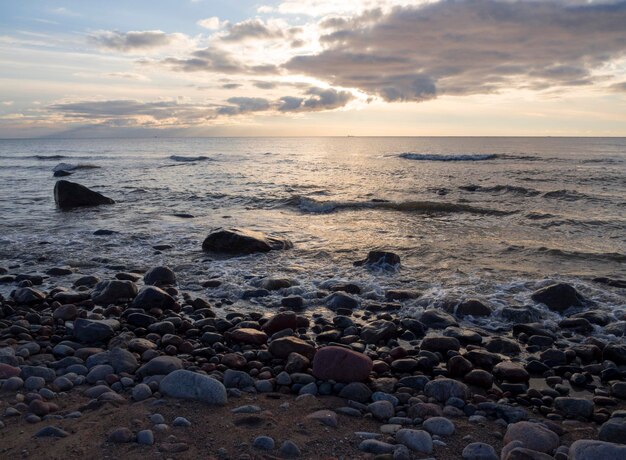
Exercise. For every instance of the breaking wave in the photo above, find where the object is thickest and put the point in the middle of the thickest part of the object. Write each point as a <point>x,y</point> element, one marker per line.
<point>448,157</point>
<point>501,189</point>
<point>184,159</point>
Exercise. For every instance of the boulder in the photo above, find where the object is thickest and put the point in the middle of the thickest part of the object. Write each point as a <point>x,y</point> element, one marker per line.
<point>472,307</point>
<point>380,259</point>
<point>378,330</point>
<point>280,321</point>
<point>341,364</point>
<point>185,384</point>
<point>94,331</point>
<point>113,291</point>
<point>559,297</point>
<point>614,430</point>
<point>160,276</point>
<point>28,296</point>
<point>239,242</point>
<point>68,195</point>
<point>444,389</point>
<point>161,365</point>
<point>247,335</point>
<point>587,449</point>
<point>532,436</point>
<point>282,347</point>
<point>153,297</point>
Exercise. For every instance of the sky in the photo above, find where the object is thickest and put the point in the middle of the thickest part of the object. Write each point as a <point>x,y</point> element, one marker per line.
<point>71,68</point>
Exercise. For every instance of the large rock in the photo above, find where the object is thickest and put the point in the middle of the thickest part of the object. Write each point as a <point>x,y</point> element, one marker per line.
<point>28,296</point>
<point>94,331</point>
<point>380,258</point>
<point>280,321</point>
<point>68,195</point>
<point>444,389</point>
<point>238,241</point>
<point>511,372</point>
<point>532,436</point>
<point>614,430</point>
<point>472,307</point>
<point>153,297</point>
<point>113,291</point>
<point>559,297</point>
<point>479,451</point>
<point>161,365</point>
<point>437,319</point>
<point>160,276</point>
<point>416,440</point>
<point>378,330</point>
<point>247,335</point>
<point>123,360</point>
<point>587,449</point>
<point>190,385</point>
<point>574,407</point>
<point>341,364</point>
<point>283,347</point>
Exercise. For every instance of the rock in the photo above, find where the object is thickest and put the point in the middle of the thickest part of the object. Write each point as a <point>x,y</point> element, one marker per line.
<point>65,312</point>
<point>559,297</point>
<point>458,366</point>
<point>444,389</point>
<point>532,436</point>
<point>472,307</point>
<point>341,364</point>
<point>161,365</point>
<point>121,436</point>
<point>280,321</point>
<point>289,449</point>
<point>587,449</point>
<point>281,348</point>
<point>440,426</point>
<point>160,276</point>
<point>297,363</point>
<point>381,410</point>
<point>378,330</point>
<point>145,437</point>
<point>380,259</point>
<point>618,389</point>
<point>113,291</point>
<point>416,440</point>
<point>479,451</point>
<point>440,344</point>
<point>240,242</point>
<point>356,392</point>
<point>521,453</point>
<point>401,294</point>
<point>574,407</point>
<point>190,385</point>
<point>28,296</point>
<point>7,371</point>
<point>122,360</point>
<point>614,430</point>
<point>325,417</point>
<point>615,352</point>
<point>511,372</point>
<point>437,319</point>
<point>141,392</point>
<point>181,421</point>
<point>68,195</point>
<point>263,443</point>
<point>237,379</point>
<point>275,284</point>
<point>340,300</point>
<point>152,297</point>
<point>95,331</point>
<point>247,335</point>
<point>479,378</point>
<point>51,432</point>
<point>373,446</point>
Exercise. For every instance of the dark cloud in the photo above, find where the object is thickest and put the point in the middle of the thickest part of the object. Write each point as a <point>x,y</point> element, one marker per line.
<point>132,41</point>
<point>318,99</point>
<point>468,47</point>
<point>231,85</point>
<point>242,105</point>
<point>619,87</point>
<point>213,59</point>
<point>252,29</point>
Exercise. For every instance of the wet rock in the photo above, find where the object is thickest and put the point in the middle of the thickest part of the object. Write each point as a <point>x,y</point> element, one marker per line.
<point>275,284</point>
<point>444,389</point>
<point>559,297</point>
<point>511,372</point>
<point>587,449</point>
<point>280,321</point>
<point>297,363</point>
<point>437,319</point>
<point>247,335</point>
<point>341,364</point>
<point>416,440</point>
<point>239,242</point>
<point>281,348</point>
<point>152,297</point>
<point>380,258</point>
<point>472,307</point>
<point>502,345</point>
<point>532,436</point>
<point>28,296</point>
<point>190,385</point>
<point>340,300</point>
<point>440,343</point>
<point>65,312</point>
<point>401,294</point>
<point>378,330</point>
<point>615,352</point>
<point>160,276</point>
<point>113,291</point>
<point>479,451</point>
<point>68,195</point>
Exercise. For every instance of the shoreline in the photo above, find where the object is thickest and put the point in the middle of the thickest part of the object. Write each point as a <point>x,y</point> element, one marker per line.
<point>95,356</point>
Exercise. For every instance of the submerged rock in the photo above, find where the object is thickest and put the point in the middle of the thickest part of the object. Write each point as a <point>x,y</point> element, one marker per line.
<point>238,241</point>
<point>559,297</point>
<point>68,195</point>
<point>379,258</point>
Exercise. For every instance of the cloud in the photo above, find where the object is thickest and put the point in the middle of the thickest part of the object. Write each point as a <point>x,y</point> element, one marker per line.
<point>231,85</point>
<point>128,76</point>
<point>416,53</point>
<point>212,23</point>
<point>252,29</point>
<point>213,59</point>
<point>619,87</point>
<point>319,99</point>
<point>241,105</point>
<point>135,40</point>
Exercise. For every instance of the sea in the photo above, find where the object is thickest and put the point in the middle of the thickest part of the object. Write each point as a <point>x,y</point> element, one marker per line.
<point>492,218</point>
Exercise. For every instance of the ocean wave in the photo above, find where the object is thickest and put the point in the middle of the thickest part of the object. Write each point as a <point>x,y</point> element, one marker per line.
<point>566,195</point>
<point>309,205</point>
<point>571,254</point>
<point>72,167</point>
<point>448,157</point>
<point>184,159</point>
<point>501,189</point>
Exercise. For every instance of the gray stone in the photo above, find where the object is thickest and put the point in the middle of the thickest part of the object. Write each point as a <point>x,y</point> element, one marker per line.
<point>159,276</point>
<point>373,446</point>
<point>356,391</point>
<point>145,437</point>
<point>479,451</point>
<point>190,385</point>
<point>532,436</point>
<point>444,389</point>
<point>614,430</point>
<point>51,432</point>
<point>181,421</point>
<point>289,449</point>
<point>416,440</point>
<point>99,372</point>
<point>440,426</point>
<point>121,435</point>
<point>587,449</point>
<point>237,379</point>
<point>381,410</point>
<point>574,407</point>
<point>123,361</point>
<point>141,392</point>
<point>161,365</point>
<point>28,296</point>
<point>113,291</point>
<point>94,331</point>
<point>263,443</point>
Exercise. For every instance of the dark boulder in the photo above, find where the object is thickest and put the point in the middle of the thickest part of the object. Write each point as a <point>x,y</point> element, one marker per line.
<point>379,258</point>
<point>160,276</point>
<point>472,307</point>
<point>152,297</point>
<point>68,195</point>
<point>237,241</point>
<point>559,297</point>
